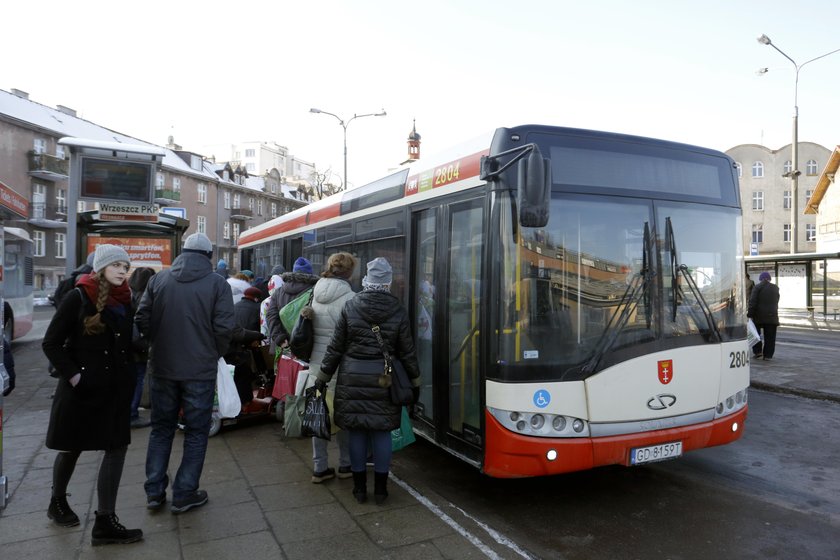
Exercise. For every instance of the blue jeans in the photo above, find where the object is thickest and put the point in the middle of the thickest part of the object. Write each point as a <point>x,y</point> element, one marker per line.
<point>359,441</point>
<point>320,455</point>
<point>140,368</point>
<point>194,399</point>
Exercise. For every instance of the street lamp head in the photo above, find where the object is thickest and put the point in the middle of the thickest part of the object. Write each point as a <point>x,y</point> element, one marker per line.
<point>315,110</point>
<point>382,114</point>
<point>764,39</point>
<point>762,71</point>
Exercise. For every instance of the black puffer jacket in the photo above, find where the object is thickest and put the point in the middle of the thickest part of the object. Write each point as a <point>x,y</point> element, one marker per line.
<point>764,304</point>
<point>294,283</point>
<point>360,403</point>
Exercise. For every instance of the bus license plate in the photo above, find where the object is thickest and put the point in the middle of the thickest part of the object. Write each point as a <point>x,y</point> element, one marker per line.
<point>653,453</point>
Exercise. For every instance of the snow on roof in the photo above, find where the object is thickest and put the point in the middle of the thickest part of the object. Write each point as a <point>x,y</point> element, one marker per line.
<point>62,124</point>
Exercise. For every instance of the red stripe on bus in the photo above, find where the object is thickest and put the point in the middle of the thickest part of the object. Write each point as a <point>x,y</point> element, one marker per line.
<point>331,211</point>
<point>511,455</point>
<point>288,225</point>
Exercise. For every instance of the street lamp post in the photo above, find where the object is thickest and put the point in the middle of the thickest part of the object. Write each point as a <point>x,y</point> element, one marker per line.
<point>794,172</point>
<point>344,124</point>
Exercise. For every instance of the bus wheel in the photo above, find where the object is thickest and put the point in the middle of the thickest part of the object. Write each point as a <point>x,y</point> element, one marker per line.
<point>215,424</point>
<point>8,323</point>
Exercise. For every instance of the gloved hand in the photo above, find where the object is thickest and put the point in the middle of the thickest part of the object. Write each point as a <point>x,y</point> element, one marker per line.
<point>321,387</point>
<point>415,391</point>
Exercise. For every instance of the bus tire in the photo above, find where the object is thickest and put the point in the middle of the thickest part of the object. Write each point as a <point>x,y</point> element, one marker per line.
<point>8,322</point>
<point>215,424</point>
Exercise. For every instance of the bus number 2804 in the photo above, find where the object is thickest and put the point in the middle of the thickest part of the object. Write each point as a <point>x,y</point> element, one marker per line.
<point>738,359</point>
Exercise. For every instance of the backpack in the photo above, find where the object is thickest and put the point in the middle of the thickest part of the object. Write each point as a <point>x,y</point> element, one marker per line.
<point>66,285</point>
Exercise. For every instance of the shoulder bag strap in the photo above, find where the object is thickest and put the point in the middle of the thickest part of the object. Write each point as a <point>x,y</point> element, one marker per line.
<point>375,329</point>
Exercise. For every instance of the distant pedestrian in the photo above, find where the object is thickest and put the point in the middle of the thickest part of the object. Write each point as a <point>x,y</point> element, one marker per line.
<point>222,269</point>
<point>764,311</point>
<point>187,315</point>
<point>749,285</point>
<point>238,284</point>
<point>137,283</point>
<point>362,400</point>
<point>89,342</point>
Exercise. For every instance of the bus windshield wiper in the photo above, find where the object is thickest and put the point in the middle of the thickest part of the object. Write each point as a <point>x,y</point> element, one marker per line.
<point>677,293</point>
<point>638,289</point>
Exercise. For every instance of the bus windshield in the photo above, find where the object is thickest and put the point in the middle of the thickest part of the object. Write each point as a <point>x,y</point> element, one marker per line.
<point>584,293</point>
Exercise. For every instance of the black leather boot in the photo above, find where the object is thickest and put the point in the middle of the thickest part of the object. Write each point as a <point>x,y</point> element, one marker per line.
<point>380,488</point>
<point>109,530</point>
<point>360,486</point>
<point>60,512</point>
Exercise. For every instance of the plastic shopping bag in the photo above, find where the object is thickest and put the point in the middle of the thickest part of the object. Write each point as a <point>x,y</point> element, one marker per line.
<point>404,435</point>
<point>316,418</point>
<point>229,403</point>
<point>753,337</point>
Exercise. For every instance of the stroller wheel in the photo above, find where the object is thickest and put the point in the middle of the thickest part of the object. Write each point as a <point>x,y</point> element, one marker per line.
<point>215,424</point>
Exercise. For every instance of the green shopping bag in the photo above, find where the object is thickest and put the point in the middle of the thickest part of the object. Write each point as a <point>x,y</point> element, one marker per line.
<point>290,312</point>
<point>404,435</point>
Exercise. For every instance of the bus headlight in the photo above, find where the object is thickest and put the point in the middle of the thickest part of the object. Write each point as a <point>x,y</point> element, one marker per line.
<point>731,404</point>
<point>540,424</point>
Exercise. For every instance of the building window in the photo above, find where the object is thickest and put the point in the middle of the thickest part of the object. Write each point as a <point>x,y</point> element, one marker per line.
<point>39,146</point>
<point>251,204</point>
<point>758,200</point>
<point>59,151</point>
<point>260,207</point>
<point>60,245</point>
<point>235,232</point>
<point>226,197</point>
<point>788,167</point>
<point>250,153</point>
<point>786,233</point>
<point>757,170</point>
<point>757,233</point>
<point>226,231</point>
<point>273,188</point>
<point>810,232</point>
<point>176,184</point>
<point>201,224</point>
<point>811,167</point>
<point>251,167</point>
<point>39,201</point>
<point>61,200</point>
<point>160,180</point>
<point>195,162</point>
<point>202,193</point>
<point>273,209</point>
<point>740,169</point>
<point>38,246</point>
<point>786,200</point>
<point>808,193</point>
<point>226,175</point>
<point>81,206</point>
<point>236,201</point>
<point>236,155</point>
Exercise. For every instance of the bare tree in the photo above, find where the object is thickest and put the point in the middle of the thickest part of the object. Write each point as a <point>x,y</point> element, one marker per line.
<point>325,183</point>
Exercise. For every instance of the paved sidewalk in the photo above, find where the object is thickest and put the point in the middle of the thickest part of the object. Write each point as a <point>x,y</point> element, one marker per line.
<point>262,503</point>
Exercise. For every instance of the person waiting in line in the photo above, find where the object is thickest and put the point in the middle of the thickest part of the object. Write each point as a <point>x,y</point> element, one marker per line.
<point>362,400</point>
<point>331,292</point>
<point>89,342</point>
<point>137,284</point>
<point>247,335</point>
<point>764,311</point>
<point>295,282</point>
<point>238,284</point>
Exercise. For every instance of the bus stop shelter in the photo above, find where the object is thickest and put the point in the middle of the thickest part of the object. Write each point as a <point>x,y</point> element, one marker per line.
<point>807,281</point>
<point>13,206</point>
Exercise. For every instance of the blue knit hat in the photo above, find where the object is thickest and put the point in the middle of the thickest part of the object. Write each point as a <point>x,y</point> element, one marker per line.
<point>302,265</point>
<point>764,276</point>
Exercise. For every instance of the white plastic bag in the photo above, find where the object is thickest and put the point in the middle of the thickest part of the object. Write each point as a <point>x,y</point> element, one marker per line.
<point>753,337</point>
<point>229,404</point>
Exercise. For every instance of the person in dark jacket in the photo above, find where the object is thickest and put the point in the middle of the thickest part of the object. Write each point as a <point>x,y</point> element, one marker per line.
<point>246,314</point>
<point>137,283</point>
<point>295,282</point>
<point>89,342</point>
<point>186,314</point>
<point>67,285</point>
<point>9,364</point>
<point>362,401</point>
<point>764,311</point>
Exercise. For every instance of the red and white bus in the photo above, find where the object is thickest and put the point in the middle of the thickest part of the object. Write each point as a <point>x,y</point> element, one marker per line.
<point>577,296</point>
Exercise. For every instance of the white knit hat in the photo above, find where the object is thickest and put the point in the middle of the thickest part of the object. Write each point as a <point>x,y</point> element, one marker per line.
<point>108,254</point>
<point>199,242</point>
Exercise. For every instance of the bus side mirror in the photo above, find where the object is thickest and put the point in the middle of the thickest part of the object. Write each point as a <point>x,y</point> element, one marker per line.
<point>534,189</point>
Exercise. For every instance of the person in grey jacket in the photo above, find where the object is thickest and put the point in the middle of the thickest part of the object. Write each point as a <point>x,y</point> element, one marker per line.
<point>187,315</point>
<point>362,399</point>
<point>331,292</point>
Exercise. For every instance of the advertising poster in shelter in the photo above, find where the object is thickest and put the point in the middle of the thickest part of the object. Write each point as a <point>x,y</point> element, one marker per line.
<point>152,252</point>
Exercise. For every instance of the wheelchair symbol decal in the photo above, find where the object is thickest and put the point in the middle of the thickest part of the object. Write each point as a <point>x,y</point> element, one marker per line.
<point>542,398</point>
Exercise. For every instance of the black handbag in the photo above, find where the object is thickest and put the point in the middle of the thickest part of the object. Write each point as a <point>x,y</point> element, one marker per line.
<point>302,339</point>
<point>394,377</point>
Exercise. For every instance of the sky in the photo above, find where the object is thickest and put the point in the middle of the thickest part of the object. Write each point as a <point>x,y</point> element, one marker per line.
<point>214,72</point>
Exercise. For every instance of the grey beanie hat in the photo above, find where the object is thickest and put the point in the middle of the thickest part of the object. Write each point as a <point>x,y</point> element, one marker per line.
<point>378,272</point>
<point>198,242</point>
<point>90,256</point>
<point>108,254</point>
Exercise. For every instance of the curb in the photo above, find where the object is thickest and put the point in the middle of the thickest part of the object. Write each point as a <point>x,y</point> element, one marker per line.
<point>806,393</point>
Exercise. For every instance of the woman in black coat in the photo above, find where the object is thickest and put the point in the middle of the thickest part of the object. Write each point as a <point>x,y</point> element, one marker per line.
<point>89,343</point>
<point>363,405</point>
